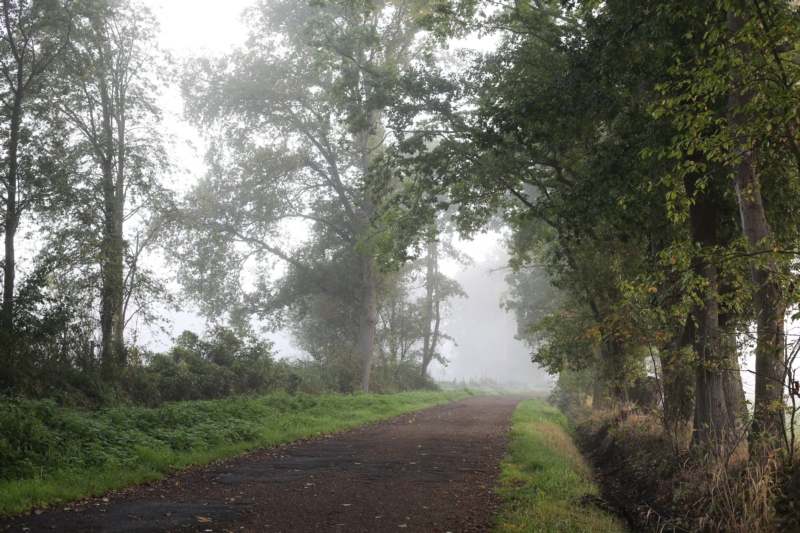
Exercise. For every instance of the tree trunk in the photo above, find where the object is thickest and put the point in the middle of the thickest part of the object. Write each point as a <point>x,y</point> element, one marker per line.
<point>12,215</point>
<point>732,377</point>
<point>768,300</point>
<point>678,385</point>
<point>430,336</point>
<point>369,296</point>
<point>598,398</point>
<point>111,253</point>
<point>366,326</point>
<point>614,356</point>
<point>119,215</point>
<point>711,421</point>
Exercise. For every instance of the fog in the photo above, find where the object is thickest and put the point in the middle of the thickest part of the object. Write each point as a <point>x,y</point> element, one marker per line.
<point>483,331</point>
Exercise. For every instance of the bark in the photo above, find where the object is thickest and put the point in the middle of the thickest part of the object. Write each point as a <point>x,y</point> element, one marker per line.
<point>119,214</point>
<point>432,314</point>
<point>369,295</point>
<point>112,290</point>
<point>768,300</point>
<point>366,326</point>
<point>712,423</point>
<point>614,355</point>
<point>12,215</point>
<point>678,384</point>
<point>598,398</point>
<point>732,377</point>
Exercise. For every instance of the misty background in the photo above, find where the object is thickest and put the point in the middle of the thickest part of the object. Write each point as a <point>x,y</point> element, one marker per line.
<point>484,333</point>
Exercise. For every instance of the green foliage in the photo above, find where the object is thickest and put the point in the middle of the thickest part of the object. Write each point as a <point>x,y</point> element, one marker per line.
<point>49,452</point>
<point>216,366</point>
<point>572,390</point>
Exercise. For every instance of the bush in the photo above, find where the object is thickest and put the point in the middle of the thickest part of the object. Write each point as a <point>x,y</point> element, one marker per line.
<point>572,390</point>
<point>213,367</point>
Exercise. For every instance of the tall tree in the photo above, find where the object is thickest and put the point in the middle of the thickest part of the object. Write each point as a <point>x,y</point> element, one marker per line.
<point>297,115</point>
<point>109,82</point>
<point>35,33</point>
<point>734,104</point>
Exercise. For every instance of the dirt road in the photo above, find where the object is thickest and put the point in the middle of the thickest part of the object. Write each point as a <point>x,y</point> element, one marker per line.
<point>428,471</point>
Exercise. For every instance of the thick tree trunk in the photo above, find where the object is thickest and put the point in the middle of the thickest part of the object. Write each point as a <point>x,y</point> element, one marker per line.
<point>119,216</point>
<point>712,423</point>
<point>111,272</point>
<point>614,355</point>
<point>768,300</point>
<point>369,296</point>
<point>732,377</point>
<point>598,396</point>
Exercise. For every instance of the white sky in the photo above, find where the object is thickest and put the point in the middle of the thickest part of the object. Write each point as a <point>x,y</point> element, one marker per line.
<point>197,25</point>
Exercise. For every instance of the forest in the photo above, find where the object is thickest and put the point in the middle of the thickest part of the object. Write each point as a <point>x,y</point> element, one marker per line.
<point>639,160</point>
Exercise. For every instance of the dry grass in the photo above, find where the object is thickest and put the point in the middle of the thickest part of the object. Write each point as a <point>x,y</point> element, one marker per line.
<point>713,491</point>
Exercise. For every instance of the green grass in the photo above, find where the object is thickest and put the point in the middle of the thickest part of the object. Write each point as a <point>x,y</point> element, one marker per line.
<point>543,477</point>
<point>50,455</point>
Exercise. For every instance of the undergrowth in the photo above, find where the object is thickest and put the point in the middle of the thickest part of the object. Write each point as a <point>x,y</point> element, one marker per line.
<point>544,479</point>
<point>51,454</point>
<point>660,489</point>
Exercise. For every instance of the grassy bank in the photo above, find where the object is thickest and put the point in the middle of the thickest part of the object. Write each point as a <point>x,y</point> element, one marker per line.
<point>544,477</point>
<point>49,454</point>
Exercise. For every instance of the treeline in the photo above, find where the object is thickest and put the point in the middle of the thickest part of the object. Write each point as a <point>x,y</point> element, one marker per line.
<point>285,230</point>
<point>83,180</point>
<point>645,156</point>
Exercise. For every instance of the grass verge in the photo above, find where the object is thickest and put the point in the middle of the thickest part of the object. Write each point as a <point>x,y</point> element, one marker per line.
<point>49,455</point>
<point>544,477</point>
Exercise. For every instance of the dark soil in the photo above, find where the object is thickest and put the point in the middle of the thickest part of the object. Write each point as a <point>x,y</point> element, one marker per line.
<point>428,471</point>
<point>637,475</point>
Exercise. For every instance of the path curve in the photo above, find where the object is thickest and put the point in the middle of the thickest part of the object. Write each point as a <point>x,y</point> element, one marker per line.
<point>432,470</point>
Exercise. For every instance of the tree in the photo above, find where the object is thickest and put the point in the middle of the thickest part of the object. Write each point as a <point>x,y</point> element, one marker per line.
<point>562,124</point>
<point>297,117</point>
<point>108,84</point>
<point>35,33</point>
<point>733,105</point>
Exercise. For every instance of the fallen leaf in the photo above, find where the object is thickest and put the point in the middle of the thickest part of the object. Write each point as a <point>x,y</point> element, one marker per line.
<point>346,504</point>
<point>203,519</point>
